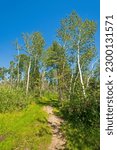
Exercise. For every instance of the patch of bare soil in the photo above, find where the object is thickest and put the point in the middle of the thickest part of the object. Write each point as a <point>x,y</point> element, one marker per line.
<point>58,140</point>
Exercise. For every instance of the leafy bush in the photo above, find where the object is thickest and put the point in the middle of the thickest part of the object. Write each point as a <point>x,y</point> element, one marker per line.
<point>12,99</point>
<point>81,137</point>
<point>82,119</point>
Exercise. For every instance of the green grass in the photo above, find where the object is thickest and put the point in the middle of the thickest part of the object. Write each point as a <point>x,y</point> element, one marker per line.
<point>48,98</point>
<point>26,129</point>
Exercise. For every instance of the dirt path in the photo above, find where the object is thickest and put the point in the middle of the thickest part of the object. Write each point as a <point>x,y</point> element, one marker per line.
<point>58,141</point>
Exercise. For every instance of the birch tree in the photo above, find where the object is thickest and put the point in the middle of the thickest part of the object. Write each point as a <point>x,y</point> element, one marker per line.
<point>18,48</point>
<point>79,37</point>
<point>34,45</point>
<point>28,49</point>
<point>38,44</point>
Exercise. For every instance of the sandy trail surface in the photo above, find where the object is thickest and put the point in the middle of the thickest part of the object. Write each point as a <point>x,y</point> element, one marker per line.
<point>58,140</point>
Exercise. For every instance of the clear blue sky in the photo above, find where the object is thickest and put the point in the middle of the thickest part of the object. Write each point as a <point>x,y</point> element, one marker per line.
<point>20,16</point>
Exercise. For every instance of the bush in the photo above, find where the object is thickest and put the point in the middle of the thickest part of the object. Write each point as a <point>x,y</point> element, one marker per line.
<point>12,99</point>
<point>81,137</point>
<point>82,125</point>
<point>83,119</point>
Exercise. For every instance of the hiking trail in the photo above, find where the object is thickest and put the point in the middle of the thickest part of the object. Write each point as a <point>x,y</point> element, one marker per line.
<point>58,141</point>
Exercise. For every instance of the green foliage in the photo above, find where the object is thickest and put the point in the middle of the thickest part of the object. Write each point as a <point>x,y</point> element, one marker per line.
<point>63,76</point>
<point>49,98</point>
<point>82,127</point>
<point>53,52</point>
<point>27,129</point>
<point>3,72</point>
<point>58,68</point>
<point>77,34</point>
<point>13,99</point>
<point>81,137</point>
<point>82,116</point>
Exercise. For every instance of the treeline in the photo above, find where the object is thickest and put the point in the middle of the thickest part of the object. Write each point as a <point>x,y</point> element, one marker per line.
<point>69,67</point>
<point>70,59</point>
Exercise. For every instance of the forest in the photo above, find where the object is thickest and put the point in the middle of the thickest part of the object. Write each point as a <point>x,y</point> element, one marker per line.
<point>64,77</point>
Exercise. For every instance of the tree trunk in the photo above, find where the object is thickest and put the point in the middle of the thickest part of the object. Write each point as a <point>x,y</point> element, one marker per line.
<point>80,72</point>
<point>28,77</point>
<point>18,76</point>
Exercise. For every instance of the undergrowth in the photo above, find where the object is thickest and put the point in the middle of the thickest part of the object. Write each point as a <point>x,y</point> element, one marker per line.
<point>13,99</point>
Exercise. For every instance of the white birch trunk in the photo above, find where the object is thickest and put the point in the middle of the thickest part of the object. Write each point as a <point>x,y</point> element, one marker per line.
<point>18,76</point>
<point>80,72</point>
<point>28,77</point>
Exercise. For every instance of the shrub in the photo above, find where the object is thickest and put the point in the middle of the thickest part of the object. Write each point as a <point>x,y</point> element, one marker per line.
<point>12,99</point>
<point>82,119</point>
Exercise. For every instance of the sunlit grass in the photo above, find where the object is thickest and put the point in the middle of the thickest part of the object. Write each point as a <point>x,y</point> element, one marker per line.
<point>27,129</point>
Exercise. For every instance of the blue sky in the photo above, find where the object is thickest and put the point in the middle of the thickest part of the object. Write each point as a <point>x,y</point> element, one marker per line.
<point>20,16</point>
